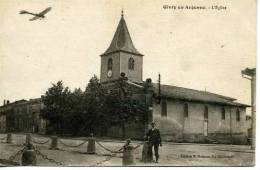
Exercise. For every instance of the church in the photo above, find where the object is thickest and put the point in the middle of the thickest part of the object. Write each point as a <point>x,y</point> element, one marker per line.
<point>181,114</point>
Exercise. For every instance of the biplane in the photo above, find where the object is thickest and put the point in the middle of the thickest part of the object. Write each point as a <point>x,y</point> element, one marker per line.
<point>36,15</point>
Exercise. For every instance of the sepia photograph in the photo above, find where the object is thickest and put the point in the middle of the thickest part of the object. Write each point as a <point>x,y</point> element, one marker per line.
<point>140,83</point>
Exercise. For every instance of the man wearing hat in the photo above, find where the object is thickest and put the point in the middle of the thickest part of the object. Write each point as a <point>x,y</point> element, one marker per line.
<point>154,139</point>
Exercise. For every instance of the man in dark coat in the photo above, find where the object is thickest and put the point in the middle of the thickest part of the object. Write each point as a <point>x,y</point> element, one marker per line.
<point>154,139</point>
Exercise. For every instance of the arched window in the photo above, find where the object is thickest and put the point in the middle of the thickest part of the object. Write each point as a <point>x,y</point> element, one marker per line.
<point>206,112</point>
<point>238,115</point>
<point>109,64</point>
<point>131,64</point>
<point>186,110</point>
<point>223,113</point>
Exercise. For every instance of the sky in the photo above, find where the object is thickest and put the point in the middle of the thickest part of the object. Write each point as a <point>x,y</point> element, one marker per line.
<point>198,49</point>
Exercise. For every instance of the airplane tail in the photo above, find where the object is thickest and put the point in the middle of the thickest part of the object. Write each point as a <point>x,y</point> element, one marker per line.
<point>23,12</point>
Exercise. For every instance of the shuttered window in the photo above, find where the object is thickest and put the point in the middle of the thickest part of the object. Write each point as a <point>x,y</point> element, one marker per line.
<point>206,112</point>
<point>238,115</point>
<point>186,110</point>
<point>223,114</point>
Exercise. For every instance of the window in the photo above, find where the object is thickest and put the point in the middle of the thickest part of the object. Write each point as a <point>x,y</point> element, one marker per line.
<point>131,64</point>
<point>206,112</point>
<point>164,108</point>
<point>109,64</point>
<point>223,114</point>
<point>238,115</point>
<point>186,110</point>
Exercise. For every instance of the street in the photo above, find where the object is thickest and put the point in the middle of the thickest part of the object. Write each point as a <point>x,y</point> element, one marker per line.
<point>72,152</point>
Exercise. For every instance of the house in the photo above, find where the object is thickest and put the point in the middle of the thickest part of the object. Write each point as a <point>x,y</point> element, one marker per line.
<point>22,116</point>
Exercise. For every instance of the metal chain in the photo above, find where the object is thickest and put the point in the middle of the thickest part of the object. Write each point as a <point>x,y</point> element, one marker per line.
<point>40,143</point>
<point>109,149</point>
<point>46,157</point>
<point>8,162</point>
<point>138,146</point>
<point>112,155</point>
<point>115,151</point>
<point>105,160</point>
<point>11,158</point>
<point>102,152</point>
<point>73,146</point>
<point>108,157</point>
<point>3,138</point>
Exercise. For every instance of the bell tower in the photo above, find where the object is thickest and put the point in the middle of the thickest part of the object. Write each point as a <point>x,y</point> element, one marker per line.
<point>121,56</point>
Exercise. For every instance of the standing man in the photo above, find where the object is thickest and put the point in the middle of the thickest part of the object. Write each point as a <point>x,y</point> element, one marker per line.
<point>154,139</point>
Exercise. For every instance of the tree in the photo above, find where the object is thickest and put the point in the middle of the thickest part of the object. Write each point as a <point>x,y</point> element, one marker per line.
<point>74,117</point>
<point>56,105</point>
<point>93,105</point>
<point>91,111</point>
<point>122,109</point>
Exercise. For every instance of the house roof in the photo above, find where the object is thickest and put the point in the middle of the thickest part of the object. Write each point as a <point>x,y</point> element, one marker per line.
<point>13,103</point>
<point>186,94</point>
<point>122,40</point>
<point>22,102</point>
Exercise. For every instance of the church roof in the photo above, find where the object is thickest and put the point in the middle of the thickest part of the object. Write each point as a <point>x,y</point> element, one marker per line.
<point>122,40</point>
<point>186,94</point>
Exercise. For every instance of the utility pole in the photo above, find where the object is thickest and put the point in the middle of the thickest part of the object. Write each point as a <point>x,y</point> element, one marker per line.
<point>159,89</point>
<point>148,103</point>
<point>250,74</point>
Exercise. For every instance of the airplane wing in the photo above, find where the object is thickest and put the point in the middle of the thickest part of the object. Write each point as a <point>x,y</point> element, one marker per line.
<point>23,12</point>
<point>34,18</point>
<point>45,11</point>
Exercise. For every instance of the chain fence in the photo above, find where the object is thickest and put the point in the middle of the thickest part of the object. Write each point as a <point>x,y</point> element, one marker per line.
<point>40,143</point>
<point>8,162</point>
<point>45,157</point>
<point>16,154</point>
<point>137,146</point>
<point>73,146</point>
<point>114,153</point>
<point>11,159</point>
<point>101,150</point>
<point>3,138</point>
<point>107,149</point>
<point>109,157</point>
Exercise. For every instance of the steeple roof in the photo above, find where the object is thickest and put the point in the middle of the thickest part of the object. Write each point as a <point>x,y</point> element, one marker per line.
<point>122,40</point>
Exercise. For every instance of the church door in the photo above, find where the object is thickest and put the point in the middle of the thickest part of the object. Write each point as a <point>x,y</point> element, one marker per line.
<point>205,127</point>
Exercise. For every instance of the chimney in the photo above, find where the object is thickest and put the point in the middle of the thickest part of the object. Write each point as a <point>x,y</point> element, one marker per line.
<point>4,102</point>
<point>7,101</point>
